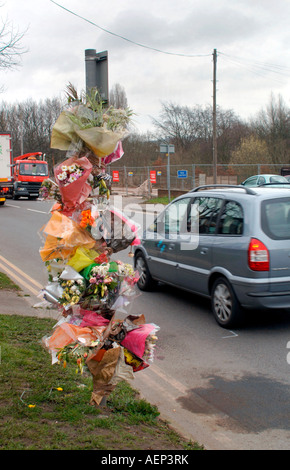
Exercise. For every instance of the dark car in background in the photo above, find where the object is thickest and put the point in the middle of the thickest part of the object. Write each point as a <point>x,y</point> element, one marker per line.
<point>228,243</point>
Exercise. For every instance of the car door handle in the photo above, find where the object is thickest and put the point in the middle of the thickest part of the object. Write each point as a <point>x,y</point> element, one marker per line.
<point>203,251</point>
<point>171,246</point>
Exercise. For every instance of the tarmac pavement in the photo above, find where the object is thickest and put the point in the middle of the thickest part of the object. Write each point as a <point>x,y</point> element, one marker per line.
<point>14,302</point>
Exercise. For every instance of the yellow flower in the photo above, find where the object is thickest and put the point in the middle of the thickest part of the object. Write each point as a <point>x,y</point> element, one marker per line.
<point>31,406</point>
<point>59,389</point>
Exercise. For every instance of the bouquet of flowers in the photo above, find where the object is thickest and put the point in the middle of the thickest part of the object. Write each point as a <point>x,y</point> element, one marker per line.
<point>50,190</point>
<point>70,173</point>
<point>72,291</point>
<point>101,185</point>
<point>79,239</point>
<point>72,176</point>
<point>88,124</point>
<point>104,285</point>
<point>87,220</point>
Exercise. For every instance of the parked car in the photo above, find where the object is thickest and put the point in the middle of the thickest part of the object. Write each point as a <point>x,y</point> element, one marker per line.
<point>227,243</point>
<point>261,180</point>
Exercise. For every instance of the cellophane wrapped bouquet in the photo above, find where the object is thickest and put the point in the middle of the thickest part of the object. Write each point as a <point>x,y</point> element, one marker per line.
<point>85,280</point>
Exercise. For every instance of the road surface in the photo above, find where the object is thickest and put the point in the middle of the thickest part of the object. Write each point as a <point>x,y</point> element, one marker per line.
<point>225,389</point>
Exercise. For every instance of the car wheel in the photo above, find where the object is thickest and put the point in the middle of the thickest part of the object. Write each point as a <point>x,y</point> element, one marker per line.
<point>225,306</point>
<point>145,281</point>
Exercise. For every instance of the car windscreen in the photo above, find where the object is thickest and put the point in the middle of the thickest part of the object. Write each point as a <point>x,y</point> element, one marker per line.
<point>33,169</point>
<point>275,218</point>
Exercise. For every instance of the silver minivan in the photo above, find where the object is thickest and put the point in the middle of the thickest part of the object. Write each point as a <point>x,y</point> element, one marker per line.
<point>229,243</point>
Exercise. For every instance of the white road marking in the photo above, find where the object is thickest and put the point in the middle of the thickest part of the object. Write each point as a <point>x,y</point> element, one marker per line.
<point>12,205</point>
<point>40,212</point>
<point>233,335</point>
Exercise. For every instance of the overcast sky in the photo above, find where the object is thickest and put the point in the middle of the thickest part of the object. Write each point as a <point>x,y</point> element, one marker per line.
<point>252,38</point>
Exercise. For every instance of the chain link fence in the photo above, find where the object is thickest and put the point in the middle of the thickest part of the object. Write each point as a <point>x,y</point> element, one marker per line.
<point>177,179</point>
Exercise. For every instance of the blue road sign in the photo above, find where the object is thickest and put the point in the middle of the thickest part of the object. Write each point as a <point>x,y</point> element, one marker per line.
<point>182,174</point>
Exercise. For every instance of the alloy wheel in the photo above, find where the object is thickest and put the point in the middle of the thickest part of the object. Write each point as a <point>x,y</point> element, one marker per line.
<point>223,302</point>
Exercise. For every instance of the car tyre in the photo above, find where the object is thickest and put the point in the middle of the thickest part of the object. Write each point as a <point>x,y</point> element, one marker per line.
<point>225,306</point>
<point>145,281</point>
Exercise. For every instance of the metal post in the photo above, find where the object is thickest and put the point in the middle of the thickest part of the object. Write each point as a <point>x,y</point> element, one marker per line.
<point>126,180</point>
<point>149,182</point>
<point>214,119</point>
<point>193,176</point>
<point>96,65</point>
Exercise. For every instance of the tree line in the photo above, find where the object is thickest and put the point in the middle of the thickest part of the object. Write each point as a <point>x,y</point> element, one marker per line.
<point>263,139</point>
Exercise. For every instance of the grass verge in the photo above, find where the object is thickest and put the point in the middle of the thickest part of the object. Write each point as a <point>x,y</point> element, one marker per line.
<point>158,200</point>
<point>6,283</point>
<point>46,407</point>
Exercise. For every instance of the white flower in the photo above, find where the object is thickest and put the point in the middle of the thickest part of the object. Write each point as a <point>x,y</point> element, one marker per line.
<point>125,270</point>
<point>102,269</point>
<point>61,176</point>
<point>72,168</point>
<point>64,168</point>
<point>72,178</point>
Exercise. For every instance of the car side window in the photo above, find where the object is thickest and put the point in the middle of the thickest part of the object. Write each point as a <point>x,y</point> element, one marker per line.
<point>251,181</point>
<point>175,217</point>
<point>261,180</point>
<point>232,219</point>
<point>207,209</point>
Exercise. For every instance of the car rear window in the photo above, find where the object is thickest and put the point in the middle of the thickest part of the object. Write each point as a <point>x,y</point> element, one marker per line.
<point>276,218</point>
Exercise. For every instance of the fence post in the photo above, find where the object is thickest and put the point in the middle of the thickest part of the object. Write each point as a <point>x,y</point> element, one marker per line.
<point>193,176</point>
<point>125,178</point>
<point>168,174</point>
<point>149,182</point>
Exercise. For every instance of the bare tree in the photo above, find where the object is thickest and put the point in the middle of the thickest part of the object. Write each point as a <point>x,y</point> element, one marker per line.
<point>10,45</point>
<point>118,97</point>
<point>190,130</point>
<point>273,126</point>
<point>30,124</point>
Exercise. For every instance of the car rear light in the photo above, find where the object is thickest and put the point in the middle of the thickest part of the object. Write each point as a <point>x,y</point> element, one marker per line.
<point>258,256</point>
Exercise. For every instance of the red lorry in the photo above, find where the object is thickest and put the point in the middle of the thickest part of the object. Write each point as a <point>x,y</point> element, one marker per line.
<point>6,184</point>
<point>28,173</point>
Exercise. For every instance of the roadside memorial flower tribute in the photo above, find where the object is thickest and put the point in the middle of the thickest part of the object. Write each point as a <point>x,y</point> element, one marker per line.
<point>86,281</point>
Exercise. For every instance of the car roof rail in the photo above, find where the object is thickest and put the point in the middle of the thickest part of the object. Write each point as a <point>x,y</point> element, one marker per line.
<point>277,183</point>
<point>240,186</point>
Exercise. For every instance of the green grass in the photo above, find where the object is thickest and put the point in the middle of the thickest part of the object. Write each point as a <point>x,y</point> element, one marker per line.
<point>6,283</point>
<point>158,200</point>
<point>46,407</point>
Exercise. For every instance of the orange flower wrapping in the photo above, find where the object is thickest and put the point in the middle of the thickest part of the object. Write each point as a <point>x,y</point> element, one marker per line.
<point>67,333</point>
<point>62,236</point>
